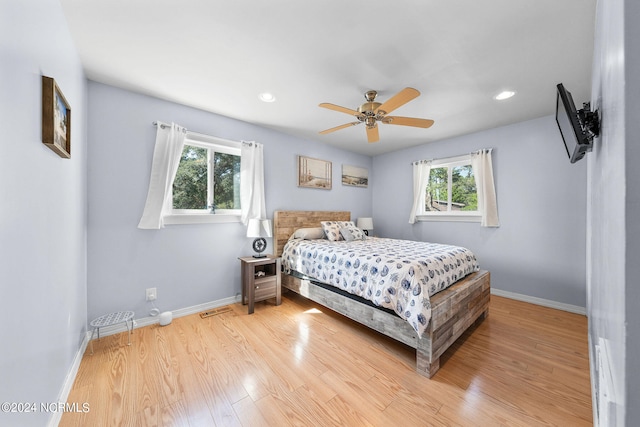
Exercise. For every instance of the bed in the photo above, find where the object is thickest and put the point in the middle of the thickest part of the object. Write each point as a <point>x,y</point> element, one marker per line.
<point>451,310</point>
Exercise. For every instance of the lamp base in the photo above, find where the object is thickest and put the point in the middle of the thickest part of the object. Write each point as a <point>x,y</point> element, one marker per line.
<point>259,256</point>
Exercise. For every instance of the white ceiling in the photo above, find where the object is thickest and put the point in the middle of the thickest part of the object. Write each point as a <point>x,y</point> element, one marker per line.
<point>220,55</point>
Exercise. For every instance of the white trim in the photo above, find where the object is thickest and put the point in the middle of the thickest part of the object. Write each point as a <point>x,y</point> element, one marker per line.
<point>219,147</point>
<point>451,161</point>
<point>540,301</point>
<point>206,212</point>
<point>150,320</point>
<point>56,416</point>
<point>200,218</point>
<point>450,217</point>
<point>212,140</point>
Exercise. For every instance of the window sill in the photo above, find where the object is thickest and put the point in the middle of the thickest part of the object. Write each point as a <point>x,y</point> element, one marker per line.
<point>449,218</point>
<point>203,218</point>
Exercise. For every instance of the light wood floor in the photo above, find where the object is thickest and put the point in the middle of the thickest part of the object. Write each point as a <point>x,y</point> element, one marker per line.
<point>300,364</point>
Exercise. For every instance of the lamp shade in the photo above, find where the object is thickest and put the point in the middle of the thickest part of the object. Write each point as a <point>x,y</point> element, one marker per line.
<point>365,223</point>
<point>259,228</point>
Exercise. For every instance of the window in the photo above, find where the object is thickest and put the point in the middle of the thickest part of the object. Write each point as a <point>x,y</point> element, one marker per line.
<point>207,183</point>
<point>450,191</point>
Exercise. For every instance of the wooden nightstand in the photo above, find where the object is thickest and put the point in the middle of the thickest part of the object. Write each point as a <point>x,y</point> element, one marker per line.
<point>260,280</point>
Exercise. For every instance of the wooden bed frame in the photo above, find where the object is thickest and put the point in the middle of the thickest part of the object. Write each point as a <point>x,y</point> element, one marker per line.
<point>453,310</point>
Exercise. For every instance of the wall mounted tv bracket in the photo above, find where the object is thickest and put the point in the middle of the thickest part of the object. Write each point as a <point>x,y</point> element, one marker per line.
<point>589,121</point>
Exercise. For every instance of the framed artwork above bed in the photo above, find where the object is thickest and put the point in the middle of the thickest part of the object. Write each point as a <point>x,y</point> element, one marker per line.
<point>355,176</point>
<point>314,173</point>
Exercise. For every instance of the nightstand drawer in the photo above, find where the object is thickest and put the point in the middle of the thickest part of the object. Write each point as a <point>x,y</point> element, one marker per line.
<point>265,288</point>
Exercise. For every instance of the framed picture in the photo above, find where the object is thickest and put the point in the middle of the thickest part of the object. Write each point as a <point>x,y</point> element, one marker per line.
<point>355,176</point>
<point>314,173</point>
<point>56,118</point>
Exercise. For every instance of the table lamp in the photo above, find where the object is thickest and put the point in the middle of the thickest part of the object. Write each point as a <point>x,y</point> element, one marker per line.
<point>365,224</point>
<point>259,228</point>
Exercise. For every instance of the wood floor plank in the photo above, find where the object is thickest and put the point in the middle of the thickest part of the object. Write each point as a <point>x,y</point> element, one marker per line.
<point>248,413</point>
<point>173,415</point>
<point>357,393</point>
<point>147,385</point>
<point>316,409</point>
<point>211,387</point>
<point>195,399</point>
<point>168,386</point>
<point>408,408</point>
<point>279,410</point>
<point>148,417</point>
<point>299,364</point>
<point>79,394</point>
<point>348,414</point>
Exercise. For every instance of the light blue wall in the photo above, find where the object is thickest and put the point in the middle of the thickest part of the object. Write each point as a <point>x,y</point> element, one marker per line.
<point>539,248</point>
<point>42,211</point>
<point>613,224</point>
<point>188,264</point>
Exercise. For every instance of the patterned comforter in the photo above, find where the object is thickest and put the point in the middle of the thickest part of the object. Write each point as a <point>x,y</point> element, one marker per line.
<point>399,275</point>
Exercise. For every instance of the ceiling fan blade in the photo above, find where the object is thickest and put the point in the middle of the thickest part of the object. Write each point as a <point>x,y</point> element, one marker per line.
<point>339,108</point>
<point>407,121</point>
<point>372,134</point>
<point>346,125</point>
<point>398,100</point>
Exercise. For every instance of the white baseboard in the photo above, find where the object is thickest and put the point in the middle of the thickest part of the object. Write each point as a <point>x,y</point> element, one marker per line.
<point>540,301</point>
<point>150,320</point>
<point>56,416</point>
<point>122,327</point>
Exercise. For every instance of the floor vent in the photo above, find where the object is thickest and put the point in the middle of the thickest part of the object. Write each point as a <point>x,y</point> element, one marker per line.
<point>216,311</point>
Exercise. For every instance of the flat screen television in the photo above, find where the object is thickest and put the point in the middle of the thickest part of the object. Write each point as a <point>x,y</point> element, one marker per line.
<point>577,127</point>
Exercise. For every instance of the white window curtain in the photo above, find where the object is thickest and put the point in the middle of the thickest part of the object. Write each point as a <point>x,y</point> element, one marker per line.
<point>166,158</point>
<point>421,171</point>
<point>483,172</point>
<point>252,200</point>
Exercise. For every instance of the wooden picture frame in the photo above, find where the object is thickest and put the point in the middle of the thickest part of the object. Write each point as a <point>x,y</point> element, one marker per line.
<point>355,176</point>
<point>314,173</point>
<point>56,119</point>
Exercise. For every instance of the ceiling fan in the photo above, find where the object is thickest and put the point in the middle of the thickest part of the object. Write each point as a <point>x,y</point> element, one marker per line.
<point>372,112</point>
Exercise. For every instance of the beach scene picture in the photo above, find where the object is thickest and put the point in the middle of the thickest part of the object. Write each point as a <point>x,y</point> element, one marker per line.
<point>314,173</point>
<point>60,122</point>
<point>355,176</point>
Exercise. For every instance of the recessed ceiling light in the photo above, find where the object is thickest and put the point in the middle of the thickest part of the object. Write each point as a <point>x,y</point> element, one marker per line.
<point>267,97</point>
<point>504,95</point>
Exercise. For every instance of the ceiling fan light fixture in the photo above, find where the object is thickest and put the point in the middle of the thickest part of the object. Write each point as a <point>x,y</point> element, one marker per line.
<point>372,112</point>
<point>370,121</point>
<point>505,94</point>
<point>267,97</point>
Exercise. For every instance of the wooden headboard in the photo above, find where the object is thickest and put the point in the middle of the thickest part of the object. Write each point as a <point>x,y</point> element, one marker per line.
<point>286,222</point>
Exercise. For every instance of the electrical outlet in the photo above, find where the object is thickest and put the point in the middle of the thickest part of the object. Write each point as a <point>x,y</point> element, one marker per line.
<point>152,294</point>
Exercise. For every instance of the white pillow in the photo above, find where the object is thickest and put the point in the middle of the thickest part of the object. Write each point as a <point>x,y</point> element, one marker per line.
<point>308,233</point>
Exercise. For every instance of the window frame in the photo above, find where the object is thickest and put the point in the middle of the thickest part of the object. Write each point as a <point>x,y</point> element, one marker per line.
<point>449,215</point>
<point>203,216</point>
